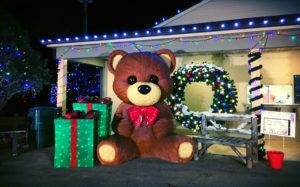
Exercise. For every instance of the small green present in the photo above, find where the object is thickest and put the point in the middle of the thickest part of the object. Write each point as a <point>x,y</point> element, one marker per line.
<point>74,142</point>
<point>104,121</point>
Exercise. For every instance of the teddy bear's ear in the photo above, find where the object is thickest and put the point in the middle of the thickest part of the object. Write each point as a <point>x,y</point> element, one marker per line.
<point>168,57</point>
<point>114,59</point>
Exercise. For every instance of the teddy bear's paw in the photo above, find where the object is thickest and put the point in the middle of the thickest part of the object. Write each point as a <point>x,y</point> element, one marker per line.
<point>185,150</point>
<point>106,153</point>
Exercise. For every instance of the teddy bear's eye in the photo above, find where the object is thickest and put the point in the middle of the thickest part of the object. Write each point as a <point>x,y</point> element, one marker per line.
<point>131,80</point>
<point>154,79</point>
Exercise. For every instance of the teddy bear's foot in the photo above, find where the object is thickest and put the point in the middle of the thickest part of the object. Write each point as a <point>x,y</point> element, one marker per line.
<point>106,153</point>
<point>185,150</point>
<point>116,150</point>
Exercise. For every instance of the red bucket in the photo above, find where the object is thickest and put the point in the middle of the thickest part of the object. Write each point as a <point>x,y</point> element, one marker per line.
<point>275,159</point>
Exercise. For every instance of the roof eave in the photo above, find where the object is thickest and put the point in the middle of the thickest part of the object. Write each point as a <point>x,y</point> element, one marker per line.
<point>164,37</point>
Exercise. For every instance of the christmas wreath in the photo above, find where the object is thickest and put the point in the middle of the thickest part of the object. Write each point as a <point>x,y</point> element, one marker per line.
<point>224,98</point>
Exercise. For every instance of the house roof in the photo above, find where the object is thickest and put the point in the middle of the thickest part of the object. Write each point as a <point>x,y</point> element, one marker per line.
<point>220,10</point>
<point>211,25</point>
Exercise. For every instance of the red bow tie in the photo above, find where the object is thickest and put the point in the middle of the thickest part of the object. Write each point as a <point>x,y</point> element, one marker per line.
<point>137,114</point>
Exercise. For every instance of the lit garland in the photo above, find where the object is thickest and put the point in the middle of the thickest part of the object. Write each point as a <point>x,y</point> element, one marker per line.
<point>225,93</point>
<point>256,86</point>
<point>255,92</point>
<point>258,39</point>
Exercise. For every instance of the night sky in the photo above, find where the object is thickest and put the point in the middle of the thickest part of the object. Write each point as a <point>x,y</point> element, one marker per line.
<point>50,19</point>
<point>65,18</point>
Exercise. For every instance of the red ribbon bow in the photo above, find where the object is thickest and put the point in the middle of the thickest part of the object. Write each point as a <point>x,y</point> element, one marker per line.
<point>137,114</point>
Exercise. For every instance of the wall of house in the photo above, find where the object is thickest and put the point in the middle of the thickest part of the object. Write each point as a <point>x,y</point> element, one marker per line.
<point>279,66</point>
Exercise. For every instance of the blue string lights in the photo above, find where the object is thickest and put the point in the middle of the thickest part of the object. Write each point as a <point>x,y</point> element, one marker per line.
<point>249,23</point>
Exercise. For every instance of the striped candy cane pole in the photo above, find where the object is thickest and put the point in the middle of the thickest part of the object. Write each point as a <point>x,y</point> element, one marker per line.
<point>256,96</point>
<point>255,81</point>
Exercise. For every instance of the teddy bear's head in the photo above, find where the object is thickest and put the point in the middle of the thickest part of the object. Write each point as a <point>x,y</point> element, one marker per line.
<point>142,78</point>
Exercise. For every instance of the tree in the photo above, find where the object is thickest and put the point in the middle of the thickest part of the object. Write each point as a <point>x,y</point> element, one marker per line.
<point>22,70</point>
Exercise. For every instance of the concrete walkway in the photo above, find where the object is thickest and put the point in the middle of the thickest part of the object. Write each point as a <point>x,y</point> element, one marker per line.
<point>35,168</point>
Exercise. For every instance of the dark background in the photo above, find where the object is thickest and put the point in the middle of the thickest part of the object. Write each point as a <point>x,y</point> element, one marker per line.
<point>62,18</point>
<point>50,19</point>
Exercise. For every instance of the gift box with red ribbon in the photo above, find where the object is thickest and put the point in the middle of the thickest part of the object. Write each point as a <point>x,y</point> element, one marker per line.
<point>75,140</point>
<point>103,106</point>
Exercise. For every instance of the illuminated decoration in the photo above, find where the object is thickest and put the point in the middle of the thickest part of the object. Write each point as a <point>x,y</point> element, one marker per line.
<point>53,92</point>
<point>83,80</point>
<point>74,142</point>
<point>248,23</point>
<point>255,81</point>
<point>79,81</point>
<point>224,98</point>
<point>256,99</point>
<point>21,71</point>
<point>253,39</point>
<point>61,84</point>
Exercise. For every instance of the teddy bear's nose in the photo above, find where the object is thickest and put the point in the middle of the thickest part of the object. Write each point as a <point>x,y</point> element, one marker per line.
<point>144,89</point>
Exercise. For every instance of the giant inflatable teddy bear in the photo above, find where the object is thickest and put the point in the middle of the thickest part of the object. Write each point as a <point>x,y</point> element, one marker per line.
<point>143,124</point>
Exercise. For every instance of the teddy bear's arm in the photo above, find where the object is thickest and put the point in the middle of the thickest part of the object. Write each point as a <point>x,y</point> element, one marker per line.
<point>121,124</point>
<point>163,127</point>
<point>123,127</point>
<point>166,123</point>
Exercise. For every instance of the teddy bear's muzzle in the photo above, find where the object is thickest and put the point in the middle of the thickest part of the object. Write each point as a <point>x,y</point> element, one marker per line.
<point>144,93</point>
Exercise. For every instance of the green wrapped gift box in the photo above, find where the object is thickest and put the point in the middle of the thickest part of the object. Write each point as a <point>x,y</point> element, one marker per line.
<point>104,121</point>
<point>74,142</point>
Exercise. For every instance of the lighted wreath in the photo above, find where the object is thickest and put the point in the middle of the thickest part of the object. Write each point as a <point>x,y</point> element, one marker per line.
<point>224,98</point>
